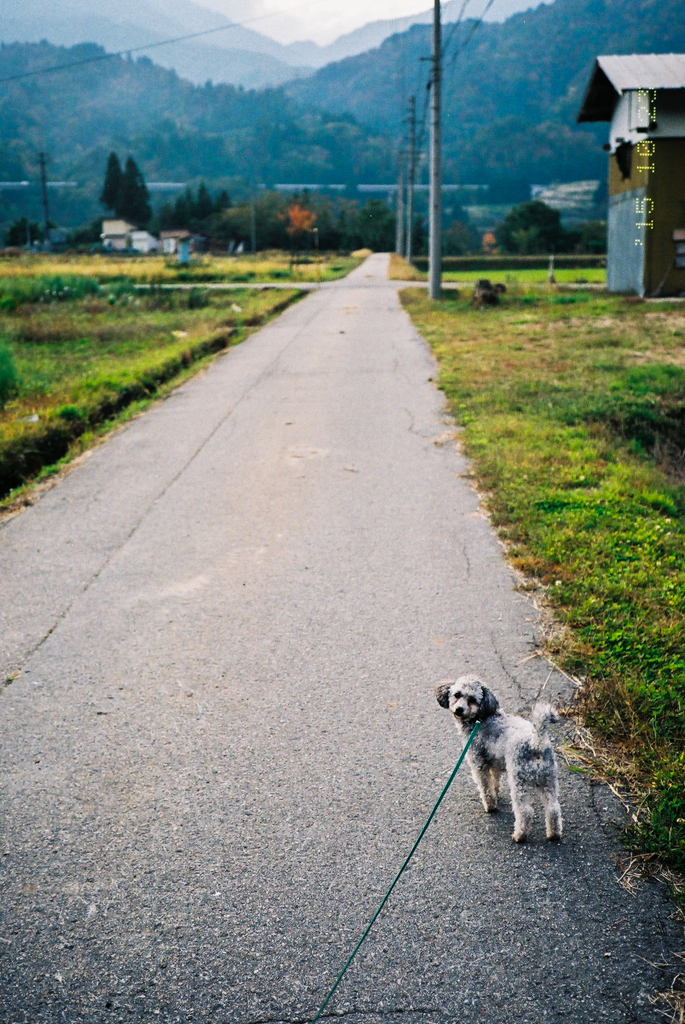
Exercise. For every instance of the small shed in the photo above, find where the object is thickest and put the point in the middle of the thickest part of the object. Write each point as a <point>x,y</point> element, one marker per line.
<point>170,239</point>
<point>116,234</point>
<point>643,98</point>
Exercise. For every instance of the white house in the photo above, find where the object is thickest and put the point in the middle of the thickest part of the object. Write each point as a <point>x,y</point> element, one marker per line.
<point>116,234</point>
<point>143,241</point>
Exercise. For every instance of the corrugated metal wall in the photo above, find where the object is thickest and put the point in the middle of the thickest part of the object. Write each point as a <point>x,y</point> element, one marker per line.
<point>626,259</point>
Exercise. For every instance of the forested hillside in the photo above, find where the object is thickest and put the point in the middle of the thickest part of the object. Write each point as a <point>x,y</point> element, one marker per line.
<point>511,95</point>
<point>176,131</point>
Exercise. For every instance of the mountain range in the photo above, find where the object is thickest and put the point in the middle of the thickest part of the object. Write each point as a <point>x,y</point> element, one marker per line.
<point>511,91</point>
<point>511,94</point>
<point>238,54</point>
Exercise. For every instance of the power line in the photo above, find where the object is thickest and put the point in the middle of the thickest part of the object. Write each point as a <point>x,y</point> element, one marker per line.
<point>148,46</point>
<point>476,25</point>
<point>459,50</point>
<point>455,26</point>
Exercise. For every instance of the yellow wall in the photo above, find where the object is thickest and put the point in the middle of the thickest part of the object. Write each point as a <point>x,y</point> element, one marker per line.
<point>666,189</point>
<point>636,180</point>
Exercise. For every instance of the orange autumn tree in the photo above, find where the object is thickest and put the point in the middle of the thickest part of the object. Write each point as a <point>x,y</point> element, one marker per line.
<point>300,220</point>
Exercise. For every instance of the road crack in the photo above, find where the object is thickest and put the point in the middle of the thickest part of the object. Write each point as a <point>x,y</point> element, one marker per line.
<point>264,375</point>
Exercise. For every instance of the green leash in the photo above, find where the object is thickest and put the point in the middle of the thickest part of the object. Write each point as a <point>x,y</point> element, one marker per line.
<point>398,875</point>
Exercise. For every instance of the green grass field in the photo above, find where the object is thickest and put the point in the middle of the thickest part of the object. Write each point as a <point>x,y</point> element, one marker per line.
<point>573,408</point>
<point>588,275</point>
<point>75,354</point>
<point>400,270</point>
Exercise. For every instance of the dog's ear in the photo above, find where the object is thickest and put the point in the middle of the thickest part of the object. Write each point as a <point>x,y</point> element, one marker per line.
<point>488,705</point>
<point>442,694</point>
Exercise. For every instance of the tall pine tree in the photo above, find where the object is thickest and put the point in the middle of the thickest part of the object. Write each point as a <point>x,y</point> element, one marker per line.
<point>204,207</point>
<point>133,198</point>
<point>223,201</point>
<point>110,189</point>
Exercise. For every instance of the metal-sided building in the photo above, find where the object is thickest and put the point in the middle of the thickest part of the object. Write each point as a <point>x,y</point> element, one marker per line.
<point>643,96</point>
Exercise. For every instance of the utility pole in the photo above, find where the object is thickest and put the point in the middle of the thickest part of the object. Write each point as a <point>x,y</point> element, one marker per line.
<point>253,218</point>
<point>435,200</point>
<point>399,206</point>
<point>412,177</point>
<point>44,186</point>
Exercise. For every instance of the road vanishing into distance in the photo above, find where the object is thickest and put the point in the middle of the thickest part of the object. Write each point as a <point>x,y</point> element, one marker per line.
<point>228,623</point>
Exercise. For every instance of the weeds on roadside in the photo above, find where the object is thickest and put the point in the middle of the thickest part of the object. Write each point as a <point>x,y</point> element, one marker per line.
<point>568,408</point>
<point>67,368</point>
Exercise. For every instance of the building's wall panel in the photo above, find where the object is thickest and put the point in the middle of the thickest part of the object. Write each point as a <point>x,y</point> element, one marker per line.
<point>666,189</point>
<point>626,248</point>
<point>630,123</point>
<point>638,175</point>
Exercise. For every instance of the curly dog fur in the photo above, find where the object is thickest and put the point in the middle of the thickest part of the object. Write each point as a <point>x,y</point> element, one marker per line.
<point>507,743</point>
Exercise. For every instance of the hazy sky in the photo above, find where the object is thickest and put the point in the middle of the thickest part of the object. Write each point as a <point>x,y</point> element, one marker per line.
<point>324,20</point>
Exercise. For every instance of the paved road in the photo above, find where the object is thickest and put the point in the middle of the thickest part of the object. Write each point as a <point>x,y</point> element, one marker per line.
<point>223,738</point>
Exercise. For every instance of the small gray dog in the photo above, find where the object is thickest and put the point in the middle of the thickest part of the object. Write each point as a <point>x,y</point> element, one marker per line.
<point>507,743</point>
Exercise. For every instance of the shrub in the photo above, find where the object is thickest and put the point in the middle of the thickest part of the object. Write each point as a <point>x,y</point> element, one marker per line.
<point>9,380</point>
<point>197,299</point>
<point>531,227</point>
<point>23,231</point>
<point>16,291</point>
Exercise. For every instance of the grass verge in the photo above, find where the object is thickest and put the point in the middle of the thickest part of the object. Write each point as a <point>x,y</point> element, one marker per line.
<point>74,367</point>
<point>573,408</point>
<point>400,269</point>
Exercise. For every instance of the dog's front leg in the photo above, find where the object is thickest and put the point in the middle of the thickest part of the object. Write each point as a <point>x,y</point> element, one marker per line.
<point>523,812</point>
<point>494,777</point>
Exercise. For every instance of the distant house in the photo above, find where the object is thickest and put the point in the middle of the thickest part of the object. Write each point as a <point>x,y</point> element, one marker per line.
<point>143,241</point>
<point>116,234</point>
<point>170,239</point>
<point>643,97</point>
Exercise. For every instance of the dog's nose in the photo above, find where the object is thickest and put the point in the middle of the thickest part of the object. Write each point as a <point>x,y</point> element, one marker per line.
<point>459,712</point>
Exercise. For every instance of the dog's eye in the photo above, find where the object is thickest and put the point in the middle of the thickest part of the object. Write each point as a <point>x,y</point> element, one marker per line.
<point>456,696</point>
<point>471,700</point>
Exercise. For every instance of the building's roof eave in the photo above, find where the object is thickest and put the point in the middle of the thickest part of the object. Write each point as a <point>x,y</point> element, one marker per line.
<point>600,97</point>
<point>616,74</point>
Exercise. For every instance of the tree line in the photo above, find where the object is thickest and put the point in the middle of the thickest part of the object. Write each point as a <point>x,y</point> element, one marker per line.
<point>274,220</point>
<point>124,192</point>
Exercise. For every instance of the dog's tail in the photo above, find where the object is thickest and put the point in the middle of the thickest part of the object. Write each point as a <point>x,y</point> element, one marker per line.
<point>542,717</point>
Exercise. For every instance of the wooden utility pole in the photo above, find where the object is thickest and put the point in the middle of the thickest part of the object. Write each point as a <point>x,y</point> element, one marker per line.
<point>44,187</point>
<point>412,178</point>
<point>435,199</point>
<point>399,206</point>
<point>253,218</point>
